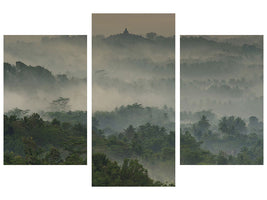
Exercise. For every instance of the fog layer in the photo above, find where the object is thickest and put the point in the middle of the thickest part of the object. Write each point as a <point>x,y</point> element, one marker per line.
<point>222,73</point>
<point>40,70</point>
<point>129,68</point>
<point>35,88</point>
<point>58,54</point>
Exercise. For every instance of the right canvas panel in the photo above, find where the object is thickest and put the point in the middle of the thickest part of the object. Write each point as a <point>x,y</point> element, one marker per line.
<point>221,100</point>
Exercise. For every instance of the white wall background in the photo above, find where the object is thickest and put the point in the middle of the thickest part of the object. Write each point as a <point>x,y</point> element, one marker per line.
<point>51,17</point>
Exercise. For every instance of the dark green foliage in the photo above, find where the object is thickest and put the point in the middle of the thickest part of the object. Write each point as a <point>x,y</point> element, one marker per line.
<point>53,157</point>
<point>31,151</point>
<point>17,112</point>
<point>191,153</point>
<point>12,159</point>
<point>109,173</point>
<point>133,174</point>
<point>231,146</point>
<point>222,159</point>
<point>55,122</point>
<point>147,141</point>
<point>201,128</point>
<point>254,125</point>
<point>232,125</point>
<point>76,159</point>
<point>151,144</point>
<point>31,140</point>
<point>105,172</point>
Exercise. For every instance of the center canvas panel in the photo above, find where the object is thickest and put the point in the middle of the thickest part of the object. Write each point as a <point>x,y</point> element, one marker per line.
<point>133,113</point>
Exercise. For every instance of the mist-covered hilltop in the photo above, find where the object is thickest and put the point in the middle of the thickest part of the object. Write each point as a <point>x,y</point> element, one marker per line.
<point>129,68</point>
<point>60,54</point>
<point>36,88</point>
<point>222,73</point>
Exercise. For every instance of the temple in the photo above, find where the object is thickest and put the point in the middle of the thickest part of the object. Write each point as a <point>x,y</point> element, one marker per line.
<point>125,31</point>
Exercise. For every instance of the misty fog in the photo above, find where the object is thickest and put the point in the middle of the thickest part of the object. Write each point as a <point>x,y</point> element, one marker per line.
<point>129,68</point>
<point>41,69</point>
<point>223,74</point>
<point>25,89</point>
<point>59,54</point>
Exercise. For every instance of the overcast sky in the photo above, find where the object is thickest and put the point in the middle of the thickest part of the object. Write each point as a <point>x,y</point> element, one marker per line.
<point>59,54</point>
<point>110,24</point>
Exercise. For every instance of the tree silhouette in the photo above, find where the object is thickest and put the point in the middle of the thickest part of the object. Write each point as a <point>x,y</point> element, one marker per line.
<point>60,104</point>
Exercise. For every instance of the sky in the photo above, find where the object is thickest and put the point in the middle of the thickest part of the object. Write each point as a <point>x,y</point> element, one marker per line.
<point>110,24</point>
<point>58,54</point>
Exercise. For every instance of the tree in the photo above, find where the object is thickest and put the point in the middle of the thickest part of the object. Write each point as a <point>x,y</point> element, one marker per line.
<point>74,159</point>
<point>190,149</point>
<point>18,112</point>
<point>11,159</point>
<point>55,122</point>
<point>201,127</point>
<point>60,104</point>
<point>129,132</point>
<point>254,124</point>
<point>53,157</point>
<point>31,151</point>
<point>105,172</point>
<point>29,141</point>
<point>33,121</point>
<point>232,126</point>
<point>191,153</point>
<point>95,124</point>
<point>109,173</point>
<point>244,156</point>
<point>221,159</point>
<point>136,145</point>
<point>151,35</point>
<point>134,174</point>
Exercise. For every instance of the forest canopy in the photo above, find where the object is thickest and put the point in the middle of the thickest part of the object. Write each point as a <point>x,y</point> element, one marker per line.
<point>31,140</point>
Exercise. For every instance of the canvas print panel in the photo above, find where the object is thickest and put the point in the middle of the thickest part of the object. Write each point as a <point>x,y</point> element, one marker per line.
<point>221,100</point>
<point>133,134</point>
<point>45,100</point>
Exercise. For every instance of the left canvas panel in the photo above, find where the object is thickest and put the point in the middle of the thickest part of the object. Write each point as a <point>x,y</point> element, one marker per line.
<point>45,100</point>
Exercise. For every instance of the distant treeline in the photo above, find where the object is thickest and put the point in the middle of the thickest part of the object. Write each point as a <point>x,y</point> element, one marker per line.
<point>195,116</point>
<point>135,115</point>
<point>129,39</point>
<point>72,117</point>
